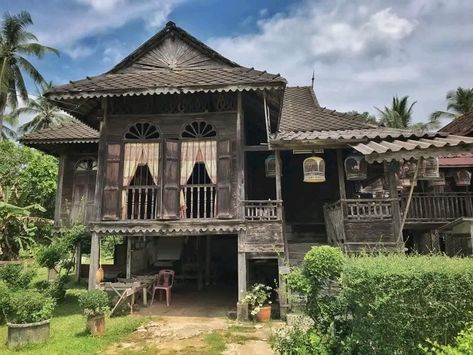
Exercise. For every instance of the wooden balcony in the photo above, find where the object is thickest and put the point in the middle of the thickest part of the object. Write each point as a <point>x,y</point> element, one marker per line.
<point>438,208</point>
<point>261,210</point>
<point>142,202</point>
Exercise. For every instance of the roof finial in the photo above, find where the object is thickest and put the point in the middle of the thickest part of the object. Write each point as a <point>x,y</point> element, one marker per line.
<point>313,78</point>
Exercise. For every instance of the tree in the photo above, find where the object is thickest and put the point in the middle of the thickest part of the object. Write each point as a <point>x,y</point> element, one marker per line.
<point>15,44</point>
<point>45,114</point>
<point>364,116</point>
<point>459,101</point>
<point>399,115</point>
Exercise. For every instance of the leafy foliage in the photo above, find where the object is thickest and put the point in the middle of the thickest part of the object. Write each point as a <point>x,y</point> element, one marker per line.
<point>459,102</point>
<point>27,306</point>
<point>463,345</point>
<point>258,296</point>
<point>364,116</point>
<point>16,276</point>
<point>297,341</point>
<point>94,303</point>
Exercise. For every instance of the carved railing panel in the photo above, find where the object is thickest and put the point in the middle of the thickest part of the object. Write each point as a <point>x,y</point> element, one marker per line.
<point>367,209</point>
<point>142,202</point>
<point>260,210</point>
<point>199,201</point>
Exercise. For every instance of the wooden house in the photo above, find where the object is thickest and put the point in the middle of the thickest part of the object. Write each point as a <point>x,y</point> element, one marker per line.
<point>177,144</point>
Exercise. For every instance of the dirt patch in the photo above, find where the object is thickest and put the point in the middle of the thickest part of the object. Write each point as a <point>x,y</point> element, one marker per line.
<point>197,335</point>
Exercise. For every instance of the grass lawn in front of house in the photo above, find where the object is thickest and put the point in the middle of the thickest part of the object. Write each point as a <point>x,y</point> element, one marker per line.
<point>68,334</point>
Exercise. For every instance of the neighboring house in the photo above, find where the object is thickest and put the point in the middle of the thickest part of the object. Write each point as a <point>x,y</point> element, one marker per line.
<point>216,169</point>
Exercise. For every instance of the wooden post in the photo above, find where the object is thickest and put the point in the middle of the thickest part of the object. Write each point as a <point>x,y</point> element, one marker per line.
<point>409,198</point>
<point>128,257</point>
<point>267,118</point>
<point>389,172</point>
<point>200,276</point>
<point>341,175</point>
<point>78,262</point>
<point>207,260</point>
<point>471,237</point>
<point>99,183</point>
<point>94,260</point>
<point>282,288</point>
<point>240,143</point>
<point>60,182</point>
<point>242,309</point>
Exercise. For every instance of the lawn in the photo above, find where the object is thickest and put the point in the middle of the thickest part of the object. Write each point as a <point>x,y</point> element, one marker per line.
<point>68,335</point>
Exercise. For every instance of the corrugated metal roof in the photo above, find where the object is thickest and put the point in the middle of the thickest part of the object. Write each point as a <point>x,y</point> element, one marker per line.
<point>457,161</point>
<point>70,132</point>
<point>462,126</point>
<point>387,150</point>
<point>302,112</point>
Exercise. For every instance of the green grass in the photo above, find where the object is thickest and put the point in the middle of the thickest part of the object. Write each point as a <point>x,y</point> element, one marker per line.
<point>215,343</point>
<point>68,334</point>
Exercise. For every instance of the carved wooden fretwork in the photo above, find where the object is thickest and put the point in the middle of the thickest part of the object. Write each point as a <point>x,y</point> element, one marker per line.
<point>142,130</point>
<point>199,129</point>
<point>87,164</point>
<point>169,104</point>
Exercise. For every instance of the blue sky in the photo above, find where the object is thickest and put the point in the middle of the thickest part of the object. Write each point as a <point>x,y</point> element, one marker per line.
<point>363,51</point>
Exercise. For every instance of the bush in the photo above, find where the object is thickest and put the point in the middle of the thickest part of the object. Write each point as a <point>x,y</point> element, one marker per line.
<point>50,256</point>
<point>396,302</point>
<point>16,276</point>
<point>55,289</point>
<point>27,306</point>
<point>258,296</point>
<point>94,303</point>
<point>463,345</point>
<point>298,341</point>
<point>4,295</point>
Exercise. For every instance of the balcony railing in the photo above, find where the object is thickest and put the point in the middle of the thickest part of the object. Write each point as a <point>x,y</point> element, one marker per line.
<point>439,207</point>
<point>142,202</point>
<point>261,210</point>
<point>362,209</point>
<point>199,201</point>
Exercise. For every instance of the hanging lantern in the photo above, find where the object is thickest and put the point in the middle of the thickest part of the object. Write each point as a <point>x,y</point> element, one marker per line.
<point>270,166</point>
<point>440,181</point>
<point>462,177</point>
<point>429,169</point>
<point>314,169</point>
<point>356,168</point>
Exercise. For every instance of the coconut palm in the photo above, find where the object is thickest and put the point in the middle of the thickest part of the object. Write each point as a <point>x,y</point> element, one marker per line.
<point>16,43</point>
<point>459,101</point>
<point>8,122</point>
<point>45,114</point>
<point>399,115</point>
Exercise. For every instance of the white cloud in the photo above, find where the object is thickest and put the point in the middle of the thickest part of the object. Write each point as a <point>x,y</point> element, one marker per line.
<point>365,51</point>
<point>79,51</point>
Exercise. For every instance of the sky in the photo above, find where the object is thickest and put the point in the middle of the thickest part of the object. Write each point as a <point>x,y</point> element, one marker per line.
<point>363,52</point>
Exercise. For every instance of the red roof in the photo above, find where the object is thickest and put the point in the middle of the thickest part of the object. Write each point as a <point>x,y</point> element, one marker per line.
<point>459,161</point>
<point>462,126</point>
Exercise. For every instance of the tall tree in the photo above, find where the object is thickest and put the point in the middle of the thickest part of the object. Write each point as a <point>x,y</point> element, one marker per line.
<point>364,116</point>
<point>399,115</point>
<point>45,114</point>
<point>459,102</point>
<point>15,44</point>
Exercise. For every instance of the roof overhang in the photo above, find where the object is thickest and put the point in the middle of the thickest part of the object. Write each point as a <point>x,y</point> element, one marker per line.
<point>461,224</point>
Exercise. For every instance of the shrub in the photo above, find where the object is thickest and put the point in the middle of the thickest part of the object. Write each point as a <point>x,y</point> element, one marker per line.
<point>463,345</point>
<point>50,256</point>
<point>298,341</point>
<point>257,297</point>
<point>16,276</point>
<point>395,302</point>
<point>28,306</point>
<point>55,289</point>
<point>94,303</point>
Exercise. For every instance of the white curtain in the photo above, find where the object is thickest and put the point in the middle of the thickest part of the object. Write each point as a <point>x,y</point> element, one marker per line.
<point>192,152</point>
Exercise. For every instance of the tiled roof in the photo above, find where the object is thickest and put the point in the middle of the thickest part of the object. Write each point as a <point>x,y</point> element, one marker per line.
<point>387,150</point>
<point>71,132</point>
<point>168,81</point>
<point>353,134</point>
<point>301,112</point>
<point>462,126</point>
<point>457,161</point>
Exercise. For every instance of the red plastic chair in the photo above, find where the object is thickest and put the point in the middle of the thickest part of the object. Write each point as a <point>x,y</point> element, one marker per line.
<point>164,282</point>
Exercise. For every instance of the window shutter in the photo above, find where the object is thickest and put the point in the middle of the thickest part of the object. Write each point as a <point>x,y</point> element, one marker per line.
<point>224,173</point>
<point>111,183</point>
<point>170,204</point>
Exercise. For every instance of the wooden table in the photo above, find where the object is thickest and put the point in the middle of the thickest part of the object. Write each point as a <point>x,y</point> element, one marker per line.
<point>124,290</point>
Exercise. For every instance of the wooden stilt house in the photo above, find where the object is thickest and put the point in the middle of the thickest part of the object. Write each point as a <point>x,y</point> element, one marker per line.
<point>177,144</point>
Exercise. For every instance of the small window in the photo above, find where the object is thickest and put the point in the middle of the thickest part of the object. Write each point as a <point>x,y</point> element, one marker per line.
<point>199,129</point>
<point>142,131</point>
<point>88,164</point>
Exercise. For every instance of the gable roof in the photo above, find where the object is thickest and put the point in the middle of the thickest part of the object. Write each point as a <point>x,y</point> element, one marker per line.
<point>462,126</point>
<point>70,132</point>
<point>172,61</point>
<point>301,112</point>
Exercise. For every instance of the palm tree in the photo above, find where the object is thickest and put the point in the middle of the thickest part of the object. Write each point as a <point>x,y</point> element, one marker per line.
<point>399,115</point>
<point>45,114</point>
<point>459,101</point>
<point>8,122</point>
<point>16,43</point>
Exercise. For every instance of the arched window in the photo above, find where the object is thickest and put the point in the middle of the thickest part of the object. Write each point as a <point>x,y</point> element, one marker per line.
<point>141,172</point>
<point>142,131</point>
<point>198,177</point>
<point>86,164</point>
<point>199,129</point>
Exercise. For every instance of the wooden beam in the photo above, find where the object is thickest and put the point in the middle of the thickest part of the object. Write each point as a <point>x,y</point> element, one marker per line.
<point>409,199</point>
<point>256,148</point>
<point>101,160</point>
<point>266,118</point>
<point>208,240</point>
<point>240,142</point>
<point>78,261</point>
<point>94,260</point>
<point>341,175</point>
<point>389,173</point>
<point>242,269</point>
<point>60,182</point>
<point>128,257</point>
